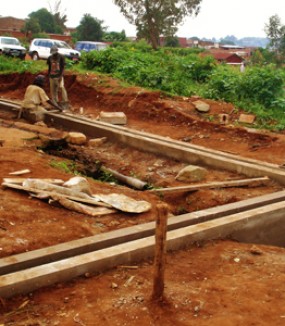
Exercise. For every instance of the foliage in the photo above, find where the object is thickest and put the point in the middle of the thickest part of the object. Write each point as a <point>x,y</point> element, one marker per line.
<point>275,31</point>
<point>171,72</point>
<point>45,20</point>
<point>90,29</point>
<point>59,15</point>
<point>41,35</point>
<point>256,86</point>
<point>140,45</point>
<point>223,84</point>
<point>155,18</point>
<point>262,85</point>
<point>66,166</point>
<point>260,89</point>
<point>171,41</point>
<point>105,176</point>
<point>115,36</point>
<point>32,25</point>
<point>10,65</point>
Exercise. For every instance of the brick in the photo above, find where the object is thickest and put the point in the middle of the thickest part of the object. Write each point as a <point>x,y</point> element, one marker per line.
<point>247,118</point>
<point>116,118</point>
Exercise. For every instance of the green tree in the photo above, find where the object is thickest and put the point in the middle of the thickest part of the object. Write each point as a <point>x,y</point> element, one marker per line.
<point>90,29</point>
<point>275,31</point>
<point>32,25</point>
<point>45,19</point>
<point>171,42</point>
<point>59,15</point>
<point>156,18</point>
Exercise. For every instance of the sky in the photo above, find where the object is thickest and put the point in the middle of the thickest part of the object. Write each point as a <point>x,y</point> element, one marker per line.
<point>217,18</point>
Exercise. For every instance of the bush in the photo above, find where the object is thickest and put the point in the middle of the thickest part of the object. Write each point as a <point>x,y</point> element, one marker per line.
<point>223,84</point>
<point>262,85</point>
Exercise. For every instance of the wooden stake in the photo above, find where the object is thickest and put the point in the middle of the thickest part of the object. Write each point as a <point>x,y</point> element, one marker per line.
<point>160,252</point>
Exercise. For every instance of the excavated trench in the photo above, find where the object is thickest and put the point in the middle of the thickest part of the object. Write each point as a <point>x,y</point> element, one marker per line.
<point>249,218</point>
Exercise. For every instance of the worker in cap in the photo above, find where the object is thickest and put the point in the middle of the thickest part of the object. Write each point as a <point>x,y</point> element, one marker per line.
<point>53,49</point>
<point>36,102</point>
<point>56,65</point>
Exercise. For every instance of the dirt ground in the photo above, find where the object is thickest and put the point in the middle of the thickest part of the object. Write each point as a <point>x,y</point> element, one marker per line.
<point>214,283</point>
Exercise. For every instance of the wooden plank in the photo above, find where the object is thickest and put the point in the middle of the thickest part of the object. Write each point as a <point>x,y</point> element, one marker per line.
<point>19,181</point>
<point>252,182</point>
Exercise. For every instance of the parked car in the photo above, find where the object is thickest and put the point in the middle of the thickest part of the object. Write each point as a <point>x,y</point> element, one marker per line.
<point>90,46</point>
<point>40,49</point>
<point>12,47</point>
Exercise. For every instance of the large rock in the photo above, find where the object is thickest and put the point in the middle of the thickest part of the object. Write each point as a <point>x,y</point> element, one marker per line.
<point>76,138</point>
<point>247,118</point>
<point>191,173</point>
<point>201,106</point>
<point>116,118</point>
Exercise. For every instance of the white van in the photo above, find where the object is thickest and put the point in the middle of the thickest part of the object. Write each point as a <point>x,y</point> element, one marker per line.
<point>12,47</point>
<point>90,46</point>
<point>40,49</point>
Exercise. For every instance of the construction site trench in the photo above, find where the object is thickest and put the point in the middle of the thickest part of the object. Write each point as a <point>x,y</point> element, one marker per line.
<point>225,232</point>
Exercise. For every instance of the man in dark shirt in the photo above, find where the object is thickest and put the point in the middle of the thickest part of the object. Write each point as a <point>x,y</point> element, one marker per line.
<point>56,64</point>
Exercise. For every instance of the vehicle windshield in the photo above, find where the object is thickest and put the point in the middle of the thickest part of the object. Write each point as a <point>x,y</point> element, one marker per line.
<point>63,45</point>
<point>79,46</point>
<point>90,46</point>
<point>12,41</point>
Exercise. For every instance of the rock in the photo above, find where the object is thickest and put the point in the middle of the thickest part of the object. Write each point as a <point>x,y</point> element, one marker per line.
<point>114,285</point>
<point>76,138</point>
<point>41,124</point>
<point>116,118</point>
<point>201,106</point>
<point>131,103</point>
<point>191,173</point>
<point>97,142</point>
<point>247,118</point>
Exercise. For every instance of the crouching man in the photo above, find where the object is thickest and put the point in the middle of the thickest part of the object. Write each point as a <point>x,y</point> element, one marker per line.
<point>36,102</point>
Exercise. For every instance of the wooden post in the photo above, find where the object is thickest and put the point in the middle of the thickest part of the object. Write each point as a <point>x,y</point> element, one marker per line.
<point>160,252</point>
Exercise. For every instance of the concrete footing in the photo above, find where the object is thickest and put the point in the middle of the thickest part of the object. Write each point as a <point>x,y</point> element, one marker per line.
<point>177,150</point>
<point>76,247</point>
<point>264,225</point>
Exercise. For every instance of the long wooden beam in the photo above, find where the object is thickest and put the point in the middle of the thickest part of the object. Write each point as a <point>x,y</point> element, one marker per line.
<point>252,182</point>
